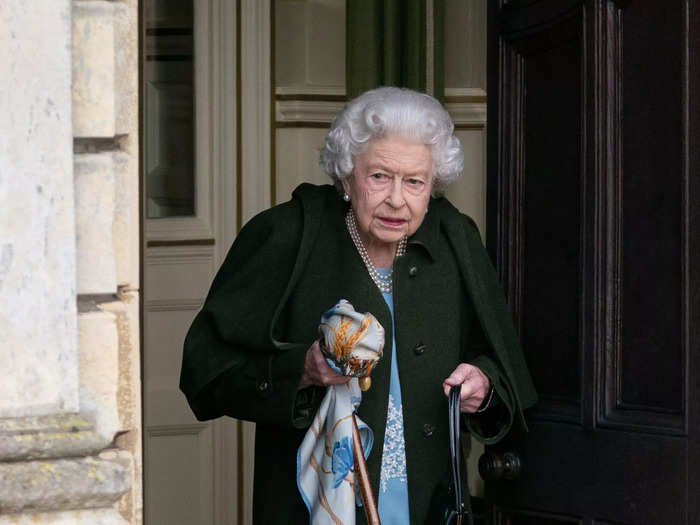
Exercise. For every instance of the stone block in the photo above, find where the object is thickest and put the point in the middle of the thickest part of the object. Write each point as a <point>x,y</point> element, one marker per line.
<point>38,355</point>
<point>62,484</point>
<point>72,517</point>
<point>126,32</point>
<point>93,69</point>
<point>98,344</point>
<point>129,400</point>
<point>126,220</point>
<point>45,437</point>
<point>94,218</point>
<point>126,226</point>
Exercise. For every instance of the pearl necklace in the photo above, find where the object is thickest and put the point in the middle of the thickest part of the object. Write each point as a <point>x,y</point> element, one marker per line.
<point>383,282</point>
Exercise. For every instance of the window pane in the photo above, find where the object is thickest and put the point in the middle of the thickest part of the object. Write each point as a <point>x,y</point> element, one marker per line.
<point>169,108</point>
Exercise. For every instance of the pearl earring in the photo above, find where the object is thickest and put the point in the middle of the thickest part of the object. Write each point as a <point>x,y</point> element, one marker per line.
<point>346,197</point>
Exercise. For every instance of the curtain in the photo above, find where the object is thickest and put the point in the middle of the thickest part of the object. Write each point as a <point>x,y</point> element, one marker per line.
<point>395,43</point>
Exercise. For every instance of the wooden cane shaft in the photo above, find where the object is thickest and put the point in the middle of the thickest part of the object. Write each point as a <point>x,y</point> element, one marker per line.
<point>362,477</point>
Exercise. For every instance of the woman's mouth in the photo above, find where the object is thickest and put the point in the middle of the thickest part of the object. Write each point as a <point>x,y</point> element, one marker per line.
<point>391,222</point>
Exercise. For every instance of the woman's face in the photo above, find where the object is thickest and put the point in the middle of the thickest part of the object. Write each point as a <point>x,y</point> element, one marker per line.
<point>389,190</point>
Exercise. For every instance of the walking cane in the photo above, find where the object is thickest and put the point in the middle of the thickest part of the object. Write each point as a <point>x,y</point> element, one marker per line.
<point>366,492</point>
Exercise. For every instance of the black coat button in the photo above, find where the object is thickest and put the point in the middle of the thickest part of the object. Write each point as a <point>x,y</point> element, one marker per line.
<point>263,386</point>
<point>419,349</point>
<point>413,271</point>
<point>428,430</point>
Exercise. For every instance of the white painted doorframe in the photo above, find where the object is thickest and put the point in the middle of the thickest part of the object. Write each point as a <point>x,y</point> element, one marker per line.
<point>207,468</point>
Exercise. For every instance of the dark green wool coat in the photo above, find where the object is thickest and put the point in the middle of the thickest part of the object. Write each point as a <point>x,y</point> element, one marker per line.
<point>244,354</point>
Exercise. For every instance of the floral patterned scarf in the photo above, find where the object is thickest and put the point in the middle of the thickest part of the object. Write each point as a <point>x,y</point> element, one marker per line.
<point>352,343</point>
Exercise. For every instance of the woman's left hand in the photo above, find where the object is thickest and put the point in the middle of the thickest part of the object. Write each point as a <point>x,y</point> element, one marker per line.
<point>475,386</point>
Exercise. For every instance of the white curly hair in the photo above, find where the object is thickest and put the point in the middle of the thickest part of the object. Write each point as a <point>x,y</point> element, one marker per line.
<point>402,111</point>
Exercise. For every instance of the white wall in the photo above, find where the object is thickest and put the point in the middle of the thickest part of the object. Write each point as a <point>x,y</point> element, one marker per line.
<point>69,270</point>
<point>37,224</point>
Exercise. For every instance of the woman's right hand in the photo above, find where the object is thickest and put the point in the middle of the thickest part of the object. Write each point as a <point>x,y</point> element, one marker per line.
<point>317,371</point>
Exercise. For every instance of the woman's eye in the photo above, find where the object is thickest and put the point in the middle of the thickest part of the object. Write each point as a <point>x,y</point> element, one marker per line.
<point>415,182</point>
<point>377,176</point>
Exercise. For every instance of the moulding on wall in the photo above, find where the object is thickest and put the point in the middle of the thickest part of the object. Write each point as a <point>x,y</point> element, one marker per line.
<point>306,89</point>
<point>288,112</point>
<point>462,92</point>
<point>467,106</point>
<point>255,107</point>
<point>174,305</point>
<point>180,254</point>
<point>307,111</point>
<point>467,114</point>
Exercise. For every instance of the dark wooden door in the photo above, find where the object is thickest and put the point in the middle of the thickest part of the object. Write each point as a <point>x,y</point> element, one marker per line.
<point>594,226</point>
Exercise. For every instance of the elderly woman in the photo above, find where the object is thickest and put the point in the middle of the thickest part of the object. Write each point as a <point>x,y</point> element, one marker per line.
<point>380,239</point>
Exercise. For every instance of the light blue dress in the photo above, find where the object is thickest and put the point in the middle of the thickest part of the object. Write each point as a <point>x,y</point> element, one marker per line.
<point>393,485</point>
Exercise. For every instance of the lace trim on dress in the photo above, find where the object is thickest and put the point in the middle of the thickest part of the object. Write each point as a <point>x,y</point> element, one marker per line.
<point>394,454</point>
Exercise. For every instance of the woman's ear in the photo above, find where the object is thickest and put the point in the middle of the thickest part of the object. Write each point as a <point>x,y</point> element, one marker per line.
<point>345,182</point>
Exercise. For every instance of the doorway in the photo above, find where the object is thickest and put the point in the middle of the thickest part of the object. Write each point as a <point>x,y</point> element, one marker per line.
<point>593,224</point>
<point>246,85</point>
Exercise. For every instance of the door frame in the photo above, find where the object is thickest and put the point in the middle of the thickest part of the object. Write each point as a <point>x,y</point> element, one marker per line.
<point>233,46</point>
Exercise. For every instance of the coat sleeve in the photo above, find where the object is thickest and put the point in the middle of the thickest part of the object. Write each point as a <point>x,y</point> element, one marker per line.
<point>504,361</point>
<point>230,365</point>
<point>496,421</point>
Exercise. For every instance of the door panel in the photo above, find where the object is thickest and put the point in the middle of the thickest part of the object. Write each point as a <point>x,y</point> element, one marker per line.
<point>179,459</point>
<point>190,447</point>
<point>590,218</point>
<point>649,214</point>
<point>505,517</point>
<point>551,275</point>
<point>193,471</point>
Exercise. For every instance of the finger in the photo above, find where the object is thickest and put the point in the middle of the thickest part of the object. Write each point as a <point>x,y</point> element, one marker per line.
<point>469,390</point>
<point>330,376</point>
<point>310,374</point>
<point>317,371</point>
<point>476,383</point>
<point>465,392</point>
<point>458,375</point>
<point>447,386</point>
<point>471,405</point>
<point>333,380</point>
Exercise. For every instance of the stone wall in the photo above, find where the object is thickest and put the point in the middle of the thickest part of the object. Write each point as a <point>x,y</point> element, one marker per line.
<point>70,398</point>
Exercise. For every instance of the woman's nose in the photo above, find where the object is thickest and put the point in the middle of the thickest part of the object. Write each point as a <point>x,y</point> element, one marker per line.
<point>396,198</point>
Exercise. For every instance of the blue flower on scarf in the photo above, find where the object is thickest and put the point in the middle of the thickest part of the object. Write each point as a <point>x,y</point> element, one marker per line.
<point>342,460</point>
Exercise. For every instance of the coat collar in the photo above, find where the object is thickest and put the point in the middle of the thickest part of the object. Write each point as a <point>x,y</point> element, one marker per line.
<point>427,234</point>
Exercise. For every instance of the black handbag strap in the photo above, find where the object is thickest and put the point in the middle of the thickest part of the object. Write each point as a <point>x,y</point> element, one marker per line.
<point>458,515</point>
